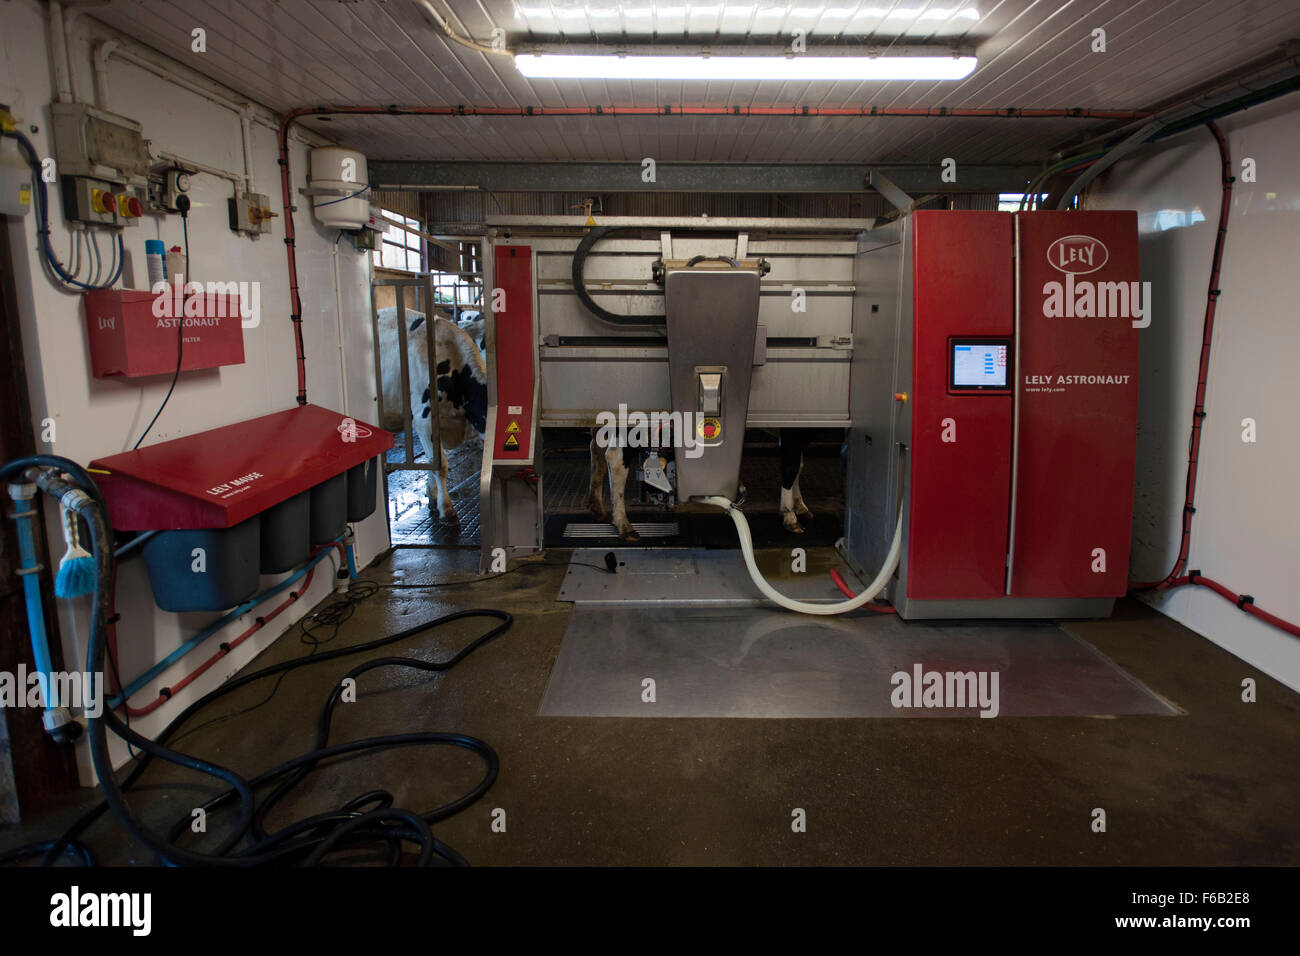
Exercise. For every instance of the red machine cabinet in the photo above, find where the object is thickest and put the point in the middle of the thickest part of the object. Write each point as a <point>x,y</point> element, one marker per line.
<point>963,286</point>
<point>516,346</point>
<point>1077,400</point>
<point>1024,488</point>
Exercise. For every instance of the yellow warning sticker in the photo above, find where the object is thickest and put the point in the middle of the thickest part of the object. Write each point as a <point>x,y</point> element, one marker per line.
<point>512,428</point>
<point>512,443</point>
<point>709,428</point>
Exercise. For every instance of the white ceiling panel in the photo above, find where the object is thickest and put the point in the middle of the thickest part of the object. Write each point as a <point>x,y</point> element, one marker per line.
<point>1032,54</point>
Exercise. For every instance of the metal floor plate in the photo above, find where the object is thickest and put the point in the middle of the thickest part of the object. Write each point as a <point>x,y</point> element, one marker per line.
<point>764,662</point>
<point>682,576</point>
<point>658,529</point>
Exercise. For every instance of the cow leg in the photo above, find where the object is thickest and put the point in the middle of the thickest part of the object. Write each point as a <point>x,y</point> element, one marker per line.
<point>446,509</point>
<point>618,473</point>
<point>800,508</point>
<point>596,489</point>
<point>793,443</point>
<point>420,421</point>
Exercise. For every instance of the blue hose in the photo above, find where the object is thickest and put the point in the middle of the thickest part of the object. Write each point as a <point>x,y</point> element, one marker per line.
<point>24,514</point>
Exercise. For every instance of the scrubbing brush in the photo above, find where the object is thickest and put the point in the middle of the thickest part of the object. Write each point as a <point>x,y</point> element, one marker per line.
<point>76,577</point>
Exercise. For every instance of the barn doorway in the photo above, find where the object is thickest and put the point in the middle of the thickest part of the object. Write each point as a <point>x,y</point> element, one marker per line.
<point>410,467</point>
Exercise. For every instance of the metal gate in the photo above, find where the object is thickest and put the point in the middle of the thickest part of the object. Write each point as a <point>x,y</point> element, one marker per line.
<point>415,293</point>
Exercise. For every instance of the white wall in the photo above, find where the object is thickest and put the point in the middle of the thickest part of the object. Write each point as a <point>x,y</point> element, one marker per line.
<point>97,417</point>
<point>1246,529</point>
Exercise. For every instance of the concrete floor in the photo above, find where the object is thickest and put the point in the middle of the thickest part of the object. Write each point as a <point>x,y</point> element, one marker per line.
<point>1218,785</point>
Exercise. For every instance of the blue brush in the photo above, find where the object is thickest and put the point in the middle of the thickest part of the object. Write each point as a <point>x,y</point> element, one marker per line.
<point>76,577</point>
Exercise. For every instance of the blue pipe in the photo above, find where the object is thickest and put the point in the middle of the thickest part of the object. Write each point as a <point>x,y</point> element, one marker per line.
<point>213,628</point>
<point>25,514</point>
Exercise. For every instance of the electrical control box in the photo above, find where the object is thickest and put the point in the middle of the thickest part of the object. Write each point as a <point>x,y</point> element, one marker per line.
<point>251,213</point>
<point>15,174</point>
<point>98,202</point>
<point>92,142</point>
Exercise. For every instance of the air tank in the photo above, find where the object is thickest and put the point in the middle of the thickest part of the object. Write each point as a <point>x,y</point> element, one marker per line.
<point>340,187</point>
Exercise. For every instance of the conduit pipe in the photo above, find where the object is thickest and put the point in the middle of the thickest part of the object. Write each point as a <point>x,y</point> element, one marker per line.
<point>246,133</point>
<point>103,50</point>
<point>59,54</point>
<point>1175,578</point>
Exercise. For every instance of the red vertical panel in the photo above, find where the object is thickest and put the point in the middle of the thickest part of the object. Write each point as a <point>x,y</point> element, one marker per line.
<point>960,490</point>
<point>515,348</point>
<point>1077,381</point>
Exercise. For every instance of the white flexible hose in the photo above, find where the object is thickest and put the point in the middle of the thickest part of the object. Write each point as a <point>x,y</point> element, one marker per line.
<point>772,594</point>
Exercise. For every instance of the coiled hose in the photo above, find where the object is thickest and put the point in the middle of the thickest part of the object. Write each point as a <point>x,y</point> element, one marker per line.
<point>367,818</point>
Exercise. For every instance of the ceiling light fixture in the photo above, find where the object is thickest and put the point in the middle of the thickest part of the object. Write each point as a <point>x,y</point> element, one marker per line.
<point>777,66</point>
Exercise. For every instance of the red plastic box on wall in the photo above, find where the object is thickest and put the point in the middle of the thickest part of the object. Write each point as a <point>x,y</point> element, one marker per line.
<point>132,333</point>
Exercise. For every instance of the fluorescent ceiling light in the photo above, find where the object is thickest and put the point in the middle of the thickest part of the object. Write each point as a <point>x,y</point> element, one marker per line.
<point>800,67</point>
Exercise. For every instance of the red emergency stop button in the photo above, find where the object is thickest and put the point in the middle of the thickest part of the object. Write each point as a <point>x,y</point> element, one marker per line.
<point>129,207</point>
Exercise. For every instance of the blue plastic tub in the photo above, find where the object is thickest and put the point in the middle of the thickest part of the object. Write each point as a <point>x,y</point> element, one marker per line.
<point>205,569</point>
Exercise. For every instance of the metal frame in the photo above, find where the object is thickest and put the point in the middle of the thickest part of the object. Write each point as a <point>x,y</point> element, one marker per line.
<point>512,516</point>
<point>593,178</point>
<point>502,509</point>
<point>422,283</point>
<point>711,223</point>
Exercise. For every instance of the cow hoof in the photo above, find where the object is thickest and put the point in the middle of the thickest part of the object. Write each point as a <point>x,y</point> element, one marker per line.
<point>792,525</point>
<point>629,534</point>
<point>449,518</point>
<point>599,512</point>
<point>805,515</point>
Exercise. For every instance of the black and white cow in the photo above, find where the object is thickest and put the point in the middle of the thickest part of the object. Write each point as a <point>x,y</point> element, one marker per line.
<point>615,464</point>
<point>461,390</point>
<point>472,322</point>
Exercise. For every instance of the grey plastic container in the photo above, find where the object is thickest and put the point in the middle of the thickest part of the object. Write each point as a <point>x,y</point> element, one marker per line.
<point>286,534</point>
<point>229,572</point>
<point>362,484</point>
<point>329,509</point>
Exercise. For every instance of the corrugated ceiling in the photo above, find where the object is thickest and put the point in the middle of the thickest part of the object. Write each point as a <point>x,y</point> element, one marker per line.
<point>1032,53</point>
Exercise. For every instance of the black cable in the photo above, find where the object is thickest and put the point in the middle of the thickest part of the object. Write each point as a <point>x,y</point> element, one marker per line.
<point>21,854</point>
<point>307,840</point>
<point>182,204</point>
<point>332,616</point>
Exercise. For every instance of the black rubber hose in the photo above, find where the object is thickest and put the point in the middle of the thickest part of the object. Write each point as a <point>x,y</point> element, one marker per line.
<point>80,477</point>
<point>382,824</point>
<point>580,285</point>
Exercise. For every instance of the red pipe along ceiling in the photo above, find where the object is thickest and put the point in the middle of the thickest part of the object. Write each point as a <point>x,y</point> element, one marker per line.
<point>866,112</point>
